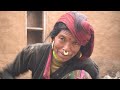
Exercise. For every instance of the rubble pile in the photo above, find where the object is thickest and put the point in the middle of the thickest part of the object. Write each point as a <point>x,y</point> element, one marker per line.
<point>117,76</point>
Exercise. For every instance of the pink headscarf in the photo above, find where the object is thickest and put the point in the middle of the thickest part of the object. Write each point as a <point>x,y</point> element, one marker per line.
<point>80,28</point>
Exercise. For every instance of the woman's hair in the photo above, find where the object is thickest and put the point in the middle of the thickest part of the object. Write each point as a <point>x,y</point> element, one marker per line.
<point>57,28</point>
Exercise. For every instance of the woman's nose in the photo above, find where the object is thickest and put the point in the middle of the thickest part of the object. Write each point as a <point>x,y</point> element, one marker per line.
<point>67,47</point>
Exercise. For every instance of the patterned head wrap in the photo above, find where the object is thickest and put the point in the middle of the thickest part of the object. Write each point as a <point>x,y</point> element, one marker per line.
<point>81,29</point>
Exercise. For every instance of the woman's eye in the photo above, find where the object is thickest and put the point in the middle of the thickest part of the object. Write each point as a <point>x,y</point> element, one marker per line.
<point>75,43</point>
<point>62,38</point>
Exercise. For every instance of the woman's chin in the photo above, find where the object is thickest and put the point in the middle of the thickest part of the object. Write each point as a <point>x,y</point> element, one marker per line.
<point>62,57</point>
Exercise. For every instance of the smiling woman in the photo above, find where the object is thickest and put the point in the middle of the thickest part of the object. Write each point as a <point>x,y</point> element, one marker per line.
<point>65,45</point>
<point>67,57</point>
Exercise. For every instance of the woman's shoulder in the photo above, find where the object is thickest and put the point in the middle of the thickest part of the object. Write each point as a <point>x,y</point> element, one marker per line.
<point>86,60</point>
<point>39,44</point>
<point>36,47</point>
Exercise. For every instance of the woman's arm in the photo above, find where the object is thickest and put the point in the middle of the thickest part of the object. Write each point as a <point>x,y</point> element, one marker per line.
<point>20,64</point>
<point>91,67</point>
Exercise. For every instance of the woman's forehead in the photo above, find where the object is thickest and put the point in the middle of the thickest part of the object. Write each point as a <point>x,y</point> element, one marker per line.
<point>67,34</point>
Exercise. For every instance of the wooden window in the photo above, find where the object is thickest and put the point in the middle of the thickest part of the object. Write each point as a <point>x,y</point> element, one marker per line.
<point>35,28</point>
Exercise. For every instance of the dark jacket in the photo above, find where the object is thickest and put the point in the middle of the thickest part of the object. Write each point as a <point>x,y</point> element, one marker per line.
<point>34,58</point>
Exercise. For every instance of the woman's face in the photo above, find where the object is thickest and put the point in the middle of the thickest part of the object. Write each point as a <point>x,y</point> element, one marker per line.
<point>65,41</point>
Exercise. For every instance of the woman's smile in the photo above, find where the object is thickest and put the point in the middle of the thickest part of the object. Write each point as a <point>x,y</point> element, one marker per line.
<point>61,55</point>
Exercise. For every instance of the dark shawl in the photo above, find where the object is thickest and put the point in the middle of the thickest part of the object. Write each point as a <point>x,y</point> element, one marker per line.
<point>34,58</point>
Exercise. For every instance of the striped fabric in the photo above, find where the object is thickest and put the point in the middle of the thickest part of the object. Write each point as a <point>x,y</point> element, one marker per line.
<point>77,74</point>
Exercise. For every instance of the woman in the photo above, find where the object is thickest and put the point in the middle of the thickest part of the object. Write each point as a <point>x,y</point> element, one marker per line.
<point>67,57</point>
